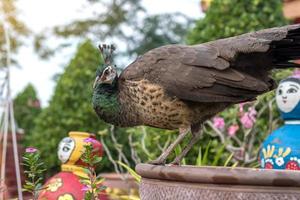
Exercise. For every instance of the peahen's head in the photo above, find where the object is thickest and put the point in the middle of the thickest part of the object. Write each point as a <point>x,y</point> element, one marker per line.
<point>106,74</point>
<point>105,95</point>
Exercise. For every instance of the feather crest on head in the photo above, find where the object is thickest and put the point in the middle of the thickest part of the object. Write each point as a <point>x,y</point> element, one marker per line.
<point>107,51</point>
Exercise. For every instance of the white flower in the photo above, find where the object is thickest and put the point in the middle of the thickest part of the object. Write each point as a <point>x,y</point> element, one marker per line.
<point>279,161</point>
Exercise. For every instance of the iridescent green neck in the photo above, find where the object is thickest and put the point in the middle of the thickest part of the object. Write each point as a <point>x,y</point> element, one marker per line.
<point>105,102</point>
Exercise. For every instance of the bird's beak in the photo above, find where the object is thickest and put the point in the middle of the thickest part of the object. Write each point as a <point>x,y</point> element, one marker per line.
<point>95,82</point>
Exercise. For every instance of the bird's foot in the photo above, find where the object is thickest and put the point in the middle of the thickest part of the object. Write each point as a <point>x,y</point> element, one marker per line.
<point>157,162</point>
<point>175,163</point>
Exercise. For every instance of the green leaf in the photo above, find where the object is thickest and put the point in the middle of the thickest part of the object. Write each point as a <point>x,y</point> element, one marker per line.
<point>199,158</point>
<point>131,172</point>
<point>205,156</point>
<point>235,164</point>
<point>218,155</point>
<point>228,159</point>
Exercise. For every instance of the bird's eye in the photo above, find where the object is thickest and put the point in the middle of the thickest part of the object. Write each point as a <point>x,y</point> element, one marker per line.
<point>291,90</point>
<point>280,92</point>
<point>66,149</point>
<point>106,72</point>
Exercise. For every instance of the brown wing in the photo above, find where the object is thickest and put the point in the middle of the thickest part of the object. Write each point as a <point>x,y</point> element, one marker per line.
<point>228,70</point>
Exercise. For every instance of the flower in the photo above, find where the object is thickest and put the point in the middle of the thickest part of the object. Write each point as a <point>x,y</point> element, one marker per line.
<point>246,121</point>
<point>219,122</point>
<point>90,140</point>
<point>233,129</point>
<point>85,188</point>
<point>279,161</point>
<point>241,107</point>
<point>252,113</point>
<point>296,73</point>
<point>248,118</point>
<point>30,150</point>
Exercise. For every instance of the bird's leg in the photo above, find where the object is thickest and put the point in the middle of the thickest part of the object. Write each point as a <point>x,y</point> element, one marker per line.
<point>163,157</point>
<point>196,135</point>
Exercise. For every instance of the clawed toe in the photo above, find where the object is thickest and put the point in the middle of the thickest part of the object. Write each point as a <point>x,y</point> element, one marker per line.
<point>174,164</point>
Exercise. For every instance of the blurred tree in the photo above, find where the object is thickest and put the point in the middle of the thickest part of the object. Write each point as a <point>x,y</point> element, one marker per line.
<point>16,29</point>
<point>106,19</point>
<point>226,18</point>
<point>27,107</point>
<point>158,30</point>
<point>120,21</point>
<point>70,108</point>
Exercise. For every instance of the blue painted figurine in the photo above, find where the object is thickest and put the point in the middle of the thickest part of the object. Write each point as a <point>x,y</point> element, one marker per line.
<point>281,149</point>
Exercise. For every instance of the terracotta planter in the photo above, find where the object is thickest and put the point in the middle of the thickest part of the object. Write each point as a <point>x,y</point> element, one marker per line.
<point>217,183</point>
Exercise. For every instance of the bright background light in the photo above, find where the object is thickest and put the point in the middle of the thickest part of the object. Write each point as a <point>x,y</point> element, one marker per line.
<point>41,14</point>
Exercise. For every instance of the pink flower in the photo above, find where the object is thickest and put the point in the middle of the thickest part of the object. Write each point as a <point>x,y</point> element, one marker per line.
<point>219,122</point>
<point>233,129</point>
<point>85,188</point>
<point>252,113</point>
<point>241,107</point>
<point>30,150</point>
<point>296,73</point>
<point>248,119</point>
<point>89,140</point>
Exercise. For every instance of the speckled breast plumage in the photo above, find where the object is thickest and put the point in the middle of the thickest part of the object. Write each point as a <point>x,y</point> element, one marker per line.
<point>149,103</point>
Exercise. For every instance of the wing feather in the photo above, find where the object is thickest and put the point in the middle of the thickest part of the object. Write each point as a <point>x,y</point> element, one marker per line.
<point>227,70</point>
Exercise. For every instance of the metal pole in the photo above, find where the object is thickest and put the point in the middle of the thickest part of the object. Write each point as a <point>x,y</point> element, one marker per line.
<point>11,112</point>
<point>15,148</point>
<point>4,147</point>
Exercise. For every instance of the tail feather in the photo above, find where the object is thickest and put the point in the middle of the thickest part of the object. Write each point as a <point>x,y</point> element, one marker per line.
<point>287,50</point>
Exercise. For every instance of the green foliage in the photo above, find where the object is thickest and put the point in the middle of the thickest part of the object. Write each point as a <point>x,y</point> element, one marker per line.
<point>226,18</point>
<point>27,108</point>
<point>93,181</point>
<point>158,30</point>
<point>70,108</point>
<point>16,28</point>
<point>34,169</point>
<point>137,177</point>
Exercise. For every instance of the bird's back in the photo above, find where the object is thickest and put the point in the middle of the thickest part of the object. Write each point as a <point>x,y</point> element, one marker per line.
<point>175,85</point>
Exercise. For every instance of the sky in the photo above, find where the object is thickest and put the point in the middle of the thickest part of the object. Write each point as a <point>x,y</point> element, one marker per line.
<point>41,14</point>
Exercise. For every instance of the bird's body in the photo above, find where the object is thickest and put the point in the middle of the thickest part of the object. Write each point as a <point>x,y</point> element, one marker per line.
<point>178,86</point>
<point>145,103</point>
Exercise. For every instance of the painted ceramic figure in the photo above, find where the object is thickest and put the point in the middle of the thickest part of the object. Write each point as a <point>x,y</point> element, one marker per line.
<point>281,150</point>
<point>66,185</point>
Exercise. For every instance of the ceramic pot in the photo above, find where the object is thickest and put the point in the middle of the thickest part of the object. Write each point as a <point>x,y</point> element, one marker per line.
<point>217,183</point>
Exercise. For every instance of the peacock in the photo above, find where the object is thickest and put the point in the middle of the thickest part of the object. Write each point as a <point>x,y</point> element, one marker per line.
<point>180,86</point>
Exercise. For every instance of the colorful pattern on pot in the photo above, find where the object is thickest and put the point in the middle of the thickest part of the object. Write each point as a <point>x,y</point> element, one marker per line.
<point>66,184</point>
<point>281,149</point>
